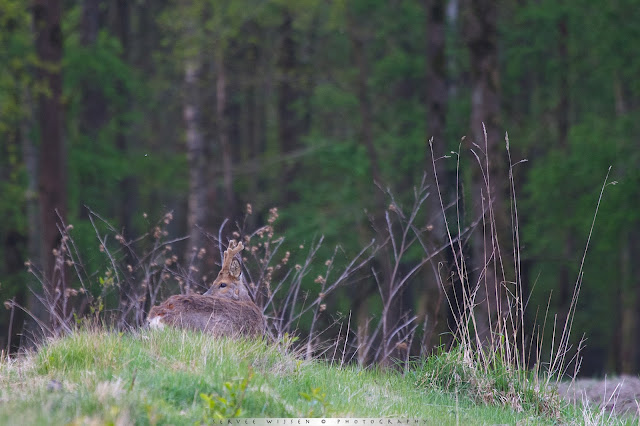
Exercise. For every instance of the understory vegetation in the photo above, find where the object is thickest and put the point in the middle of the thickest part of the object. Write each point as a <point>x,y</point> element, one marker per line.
<point>102,365</point>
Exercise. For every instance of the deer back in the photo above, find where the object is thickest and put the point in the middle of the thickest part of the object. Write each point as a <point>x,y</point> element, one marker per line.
<point>217,315</point>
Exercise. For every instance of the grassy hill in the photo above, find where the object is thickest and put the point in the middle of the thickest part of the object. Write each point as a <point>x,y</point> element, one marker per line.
<point>177,377</point>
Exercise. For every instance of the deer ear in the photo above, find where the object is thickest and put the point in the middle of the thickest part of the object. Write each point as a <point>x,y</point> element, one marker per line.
<point>235,269</point>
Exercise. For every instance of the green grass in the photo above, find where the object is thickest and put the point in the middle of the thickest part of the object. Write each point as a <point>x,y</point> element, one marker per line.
<point>160,377</point>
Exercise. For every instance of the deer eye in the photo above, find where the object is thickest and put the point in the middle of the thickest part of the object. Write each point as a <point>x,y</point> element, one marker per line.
<point>223,285</point>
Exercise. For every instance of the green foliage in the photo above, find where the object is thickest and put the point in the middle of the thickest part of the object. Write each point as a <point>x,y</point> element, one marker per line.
<point>494,383</point>
<point>228,406</point>
<point>591,71</point>
<point>564,212</point>
<point>318,406</point>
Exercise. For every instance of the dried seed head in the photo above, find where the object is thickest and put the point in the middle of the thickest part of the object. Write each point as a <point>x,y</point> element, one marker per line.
<point>249,209</point>
<point>273,215</point>
<point>402,346</point>
<point>323,307</point>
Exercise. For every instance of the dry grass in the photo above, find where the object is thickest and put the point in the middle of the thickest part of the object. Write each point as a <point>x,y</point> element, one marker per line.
<point>493,366</point>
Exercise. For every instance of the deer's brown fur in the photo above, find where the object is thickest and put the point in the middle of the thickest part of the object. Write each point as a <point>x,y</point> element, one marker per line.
<point>226,309</point>
<point>216,315</point>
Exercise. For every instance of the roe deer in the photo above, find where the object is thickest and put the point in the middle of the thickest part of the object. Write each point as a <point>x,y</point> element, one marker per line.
<point>226,309</point>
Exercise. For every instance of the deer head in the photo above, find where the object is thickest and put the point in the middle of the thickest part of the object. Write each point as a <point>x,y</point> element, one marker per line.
<point>230,282</point>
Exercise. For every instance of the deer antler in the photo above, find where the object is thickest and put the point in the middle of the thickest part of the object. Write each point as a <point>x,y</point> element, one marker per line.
<point>233,249</point>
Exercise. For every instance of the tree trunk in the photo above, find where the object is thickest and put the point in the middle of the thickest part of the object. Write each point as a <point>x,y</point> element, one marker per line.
<point>129,293</point>
<point>566,273</point>
<point>53,177</point>
<point>391,303</point>
<point>34,227</point>
<point>288,96</point>
<point>94,106</point>
<point>229,207</point>
<point>432,301</point>
<point>625,344</point>
<point>197,160</point>
<point>634,333</point>
<point>437,89</point>
<point>480,33</point>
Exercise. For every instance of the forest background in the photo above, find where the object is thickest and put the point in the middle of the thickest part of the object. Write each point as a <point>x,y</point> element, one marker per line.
<point>133,109</point>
